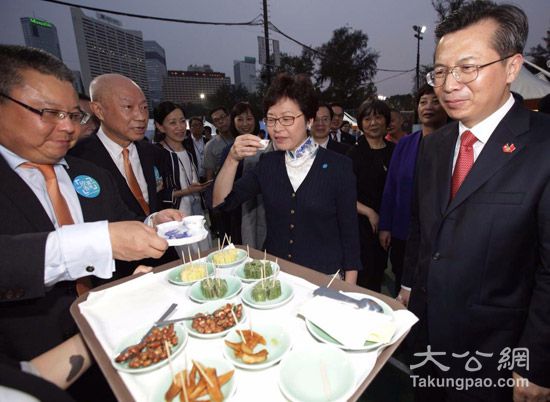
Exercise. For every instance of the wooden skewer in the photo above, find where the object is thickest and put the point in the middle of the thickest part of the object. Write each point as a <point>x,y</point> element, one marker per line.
<point>169,354</point>
<point>219,244</point>
<point>333,278</point>
<point>190,259</point>
<point>326,382</point>
<point>238,330</point>
<point>184,380</point>
<point>201,370</point>
<point>247,251</point>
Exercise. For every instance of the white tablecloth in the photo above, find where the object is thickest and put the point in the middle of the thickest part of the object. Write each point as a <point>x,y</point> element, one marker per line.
<point>116,312</point>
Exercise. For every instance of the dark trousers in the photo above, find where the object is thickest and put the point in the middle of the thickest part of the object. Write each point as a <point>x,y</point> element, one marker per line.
<point>373,257</point>
<point>397,256</point>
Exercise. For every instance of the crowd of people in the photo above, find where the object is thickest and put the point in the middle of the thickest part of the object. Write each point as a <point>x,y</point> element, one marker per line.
<point>460,208</point>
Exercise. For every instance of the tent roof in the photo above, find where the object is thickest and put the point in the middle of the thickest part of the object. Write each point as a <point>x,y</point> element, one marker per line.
<point>530,86</point>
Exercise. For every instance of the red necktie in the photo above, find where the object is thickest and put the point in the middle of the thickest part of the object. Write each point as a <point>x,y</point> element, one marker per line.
<point>464,162</point>
<point>61,211</point>
<point>133,183</point>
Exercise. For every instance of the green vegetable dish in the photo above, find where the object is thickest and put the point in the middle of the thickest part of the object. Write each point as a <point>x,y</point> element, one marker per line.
<point>256,269</point>
<point>213,288</point>
<point>266,290</point>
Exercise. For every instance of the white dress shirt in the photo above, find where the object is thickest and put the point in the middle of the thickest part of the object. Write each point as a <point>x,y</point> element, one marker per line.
<point>483,129</point>
<point>115,150</point>
<point>70,248</point>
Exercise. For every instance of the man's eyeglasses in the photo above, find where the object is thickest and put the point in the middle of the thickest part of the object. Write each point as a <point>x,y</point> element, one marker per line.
<point>463,73</point>
<point>283,120</point>
<point>52,115</point>
<point>219,119</point>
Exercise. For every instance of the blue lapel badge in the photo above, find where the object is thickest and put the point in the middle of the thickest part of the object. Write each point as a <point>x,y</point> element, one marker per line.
<point>325,165</point>
<point>86,186</point>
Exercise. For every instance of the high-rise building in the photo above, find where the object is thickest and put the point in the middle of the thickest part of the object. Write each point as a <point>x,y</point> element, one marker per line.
<point>104,47</point>
<point>41,34</point>
<point>245,73</point>
<point>155,64</point>
<point>192,86</point>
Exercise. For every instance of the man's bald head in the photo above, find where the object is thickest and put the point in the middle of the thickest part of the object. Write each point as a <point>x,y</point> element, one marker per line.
<point>120,105</point>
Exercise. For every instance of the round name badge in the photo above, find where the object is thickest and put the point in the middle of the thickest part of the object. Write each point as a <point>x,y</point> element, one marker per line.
<point>86,186</point>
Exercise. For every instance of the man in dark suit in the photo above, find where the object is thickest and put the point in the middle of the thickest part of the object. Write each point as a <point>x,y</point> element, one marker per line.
<point>478,255</point>
<point>62,218</point>
<point>195,144</point>
<point>336,134</point>
<point>320,131</point>
<point>141,170</point>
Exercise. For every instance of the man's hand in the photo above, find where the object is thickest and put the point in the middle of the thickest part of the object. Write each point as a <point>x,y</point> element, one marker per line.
<point>142,269</point>
<point>403,297</point>
<point>384,236</point>
<point>132,241</point>
<point>167,215</point>
<point>530,392</point>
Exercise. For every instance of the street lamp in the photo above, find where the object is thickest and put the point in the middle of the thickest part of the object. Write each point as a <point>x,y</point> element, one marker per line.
<point>418,35</point>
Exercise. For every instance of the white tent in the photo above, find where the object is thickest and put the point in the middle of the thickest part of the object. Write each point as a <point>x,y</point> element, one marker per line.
<point>530,86</point>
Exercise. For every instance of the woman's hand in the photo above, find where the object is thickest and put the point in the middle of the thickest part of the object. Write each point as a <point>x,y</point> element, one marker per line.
<point>245,145</point>
<point>373,219</point>
<point>384,236</point>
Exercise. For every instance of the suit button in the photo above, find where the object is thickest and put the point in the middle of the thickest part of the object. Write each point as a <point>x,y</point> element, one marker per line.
<point>293,195</point>
<point>291,241</point>
<point>436,256</point>
<point>291,226</point>
<point>290,256</point>
<point>90,268</point>
<point>292,212</point>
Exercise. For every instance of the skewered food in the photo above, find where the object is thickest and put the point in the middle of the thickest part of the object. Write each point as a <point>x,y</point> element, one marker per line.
<point>213,288</point>
<point>226,256</point>
<point>245,350</point>
<point>257,269</point>
<point>266,289</point>
<point>218,321</point>
<point>194,272</point>
<point>152,348</point>
<point>199,382</point>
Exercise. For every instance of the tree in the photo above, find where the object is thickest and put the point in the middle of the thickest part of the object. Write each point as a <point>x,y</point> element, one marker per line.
<point>541,54</point>
<point>445,7</point>
<point>303,64</point>
<point>228,95</point>
<point>401,102</point>
<point>346,67</point>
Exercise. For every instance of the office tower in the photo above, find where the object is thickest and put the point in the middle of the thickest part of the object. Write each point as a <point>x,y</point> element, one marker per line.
<point>41,34</point>
<point>105,47</point>
<point>192,86</point>
<point>245,73</point>
<point>155,64</point>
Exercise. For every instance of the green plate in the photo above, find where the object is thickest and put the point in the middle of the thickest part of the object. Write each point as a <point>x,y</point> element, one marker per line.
<point>209,308</point>
<point>241,257</point>
<point>222,367</point>
<point>322,336</point>
<point>233,288</point>
<point>136,337</point>
<point>174,276</point>
<point>317,373</point>
<point>239,272</point>
<point>277,344</point>
<point>286,295</point>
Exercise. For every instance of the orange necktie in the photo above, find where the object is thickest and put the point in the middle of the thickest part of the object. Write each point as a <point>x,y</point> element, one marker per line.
<point>464,162</point>
<point>133,183</point>
<point>61,211</point>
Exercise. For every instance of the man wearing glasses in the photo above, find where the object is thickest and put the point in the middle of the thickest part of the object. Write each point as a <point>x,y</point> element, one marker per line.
<point>57,212</point>
<point>478,254</point>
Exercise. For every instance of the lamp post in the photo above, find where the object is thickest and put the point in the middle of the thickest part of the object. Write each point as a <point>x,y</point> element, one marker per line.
<point>418,35</point>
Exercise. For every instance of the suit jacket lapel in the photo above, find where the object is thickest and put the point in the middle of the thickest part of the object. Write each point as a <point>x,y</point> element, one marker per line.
<point>147,167</point>
<point>492,157</point>
<point>444,164</point>
<point>23,198</point>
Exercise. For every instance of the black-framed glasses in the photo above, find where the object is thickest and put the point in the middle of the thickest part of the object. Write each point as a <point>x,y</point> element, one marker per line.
<point>53,116</point>
<point>283,120</point>
<point>463,73</point>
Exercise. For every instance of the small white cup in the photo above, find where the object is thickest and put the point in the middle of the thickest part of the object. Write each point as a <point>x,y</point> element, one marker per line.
<point>194,223</point>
